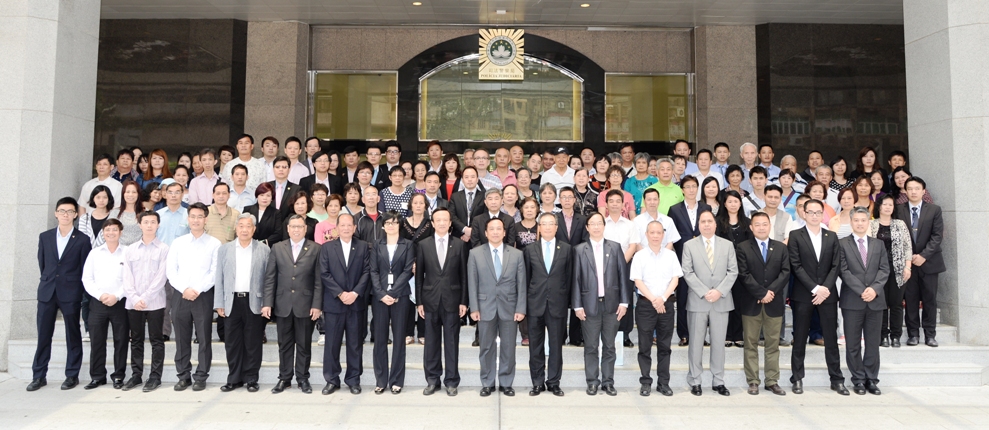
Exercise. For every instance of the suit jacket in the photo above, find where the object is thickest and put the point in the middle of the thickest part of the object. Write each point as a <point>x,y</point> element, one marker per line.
<point>585,279</point>
<point>338,277</point>
<point>291,188</point>
<point>760,277</point>
<point>701,277</point>
<point>930,230</point>
<point>578,229</point>
<point>440,203</point>
<point>226,275</point>
<point>292,286</point>
<point>310,228</point>
<point>61,278</point>
<point>269,228</point>
<point>548,292</point>
<point>400,267</point>
<point>441,289</point>
<point>808,271</point>
<point>685,228</point>
<point>855,277</point>
<point>383,181</point>
<point>496,298</point>
<point>477,236</point>
<point>461,213</point>
<point>305,184</point>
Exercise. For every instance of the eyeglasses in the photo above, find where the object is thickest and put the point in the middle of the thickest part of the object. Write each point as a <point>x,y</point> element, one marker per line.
<point>393,151</point>
<point>65,212</point>
<point>566,197</point>
<point>296,227</point>
<point>814,213</point>
<point>547,224</point>
<point>391,223</point>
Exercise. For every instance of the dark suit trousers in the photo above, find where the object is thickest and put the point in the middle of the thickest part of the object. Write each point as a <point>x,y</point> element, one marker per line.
<point>539,328</point>
<point>681,309</point>
<point>802,313</point>
<point>294,346</point>
<point>166,322</point>
<point>397,314</point>
<point>186,316</point>
<point>921,287</point>
<point>446,325</point>
<point>47,311</point>
<point>243,342</point>
<point>348,322</point>
<point>413,322</point>
<point>892,325</point>
<point>153,319</point>
<point>102,318</point>
<point>627,322</point>
<point>734,333</point>
<point>649,321</point>
<point>862,324</point>
<point>600,329</point>
<point>576,334</point>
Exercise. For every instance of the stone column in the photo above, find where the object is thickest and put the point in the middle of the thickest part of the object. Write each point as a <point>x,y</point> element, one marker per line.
<point>948,120</point>
<point>47,107</point>
<point>725,65</point>
<point>277,86</point>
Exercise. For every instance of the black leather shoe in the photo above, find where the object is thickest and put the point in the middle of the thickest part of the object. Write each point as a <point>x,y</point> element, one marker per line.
<point>536,389</point>
<point>798,387</point>
<point>859,389</point>
<point>430,389</point>
<point>913,341</point>
<point>226,388</point>
<point>355,389</point>
<point>329,389</point>
<point>872,388</point>
<point>576,343</point>
<point>722,390</point>
<point>183,384</point>
<point>931,342</point>
<point>645,390</point>
<point>628,343</point>
<point>508,391</point>
<point>609,390</point>
<point>305,386</point>
<point>839,387</point>
<point>94,383</point>
<point>165,338</point>
<point>776,389</point>
<point>683,342</point>
<point>895,342</point>
<point>70,383</point>
<point>131,383</point>
<point>451,391</point>
<point>592,390</point>
<point>118,384</point>
<point>199,386</point>
<point>152,385</point>
<point>664,389</point>
<point>557,391</point>
<point>696,390</point>
<point>706,343</point>
<point>36,384</point>
<point>253,387</point>
<point>281,386</point>
<point>475,343</point>
<point>486,391</point>
<point>884,343</point>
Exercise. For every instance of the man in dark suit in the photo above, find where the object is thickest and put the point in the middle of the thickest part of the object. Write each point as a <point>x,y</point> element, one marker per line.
<point>814,257</point>
<point>62,252</point>
<point>345,271</point>
<point>685,220</point>
<point>926,229</point>
<point>379,177</point>
<point>293,293</point>
<point>764,267</point>
<point>284,190</point>
<point>433,198</point>
<point>600,298</point>
<point>441,281</point>
<point>547,267</point>
<point>572,230</point>
<point>321,164</point>
<point>467,204</point>
<point>492,201</point>
<point>864,271</point>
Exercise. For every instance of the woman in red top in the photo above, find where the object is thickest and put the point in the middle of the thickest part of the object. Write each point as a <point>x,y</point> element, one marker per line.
<point>450,176</point>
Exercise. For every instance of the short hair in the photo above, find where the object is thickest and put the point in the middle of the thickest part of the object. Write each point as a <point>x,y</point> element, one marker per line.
<point>351,186</point>
<point>867,180</point>
<point>280,159</point>
<point>623,146</point>
<point>491,191</point>
<point>468,168</point>
<point>710,156</point>
<point>859,210</point>
<point>337,198</point>
<point>221,184</point>
<point>245,215</point>
<point>399,169</point>
<point>321,153</point>
<point>144,214</point>
<point>839,159</point>
<point>549,215</point>
<point>765,145</point>
<point>642,156</point>
<point>262,188</point>
<point>173,184</point>
<point>488,222</point>
<point>364,165</point>
<point>802,197</point>
<point>345,215</point>
<point>408,206</point>
<point>392,215</point>
<point>732,168</point>
<point>241,167</point>
<point>428,174</point>
<point>897,153</point>
<point>294,217</point>
<point>349,149</point>
<point>742,146</point>
<point>824,166</point>
<point>813,184</point>
<point>441,209</point>
<point>393,144</point>
<point>199,206</point>
<point>848,190</point>
<point>549,186</point>
<point>760,214</point>
<point>229,149</point>
<point>721,145</point>
<point>654,222</point>
<point>594,214</point>
<point>815,151</point>
<point>776,188</point>
<point>760,170</point>
<point>319,187</point>
<point>689,178</point>
<point>207,151</point>
<point>613,193</point>
<point>879,202</point>
<point>788,172</point>
<point>433,143</point>
<point>101,189</point>
<point>293,139</point>
<point>916,179</point>
<point>813,201</point>
<point>249,137</point>
<point>569,189</point>
<point>270,139</point>
<point>126,152</point>
<point>113,222</point>
<point>371,146</point>
<point>302,195</point>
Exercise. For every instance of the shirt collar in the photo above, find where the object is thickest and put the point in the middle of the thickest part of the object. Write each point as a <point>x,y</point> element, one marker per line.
<point>500,248</point>
<point>551,242</point>
<point>601,242</point>
<point>857,237</point>
<point>444,237</point>
<point>295,244</point>
<point>918,206</point>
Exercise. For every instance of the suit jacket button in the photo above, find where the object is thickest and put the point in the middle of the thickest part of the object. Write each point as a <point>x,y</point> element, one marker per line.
<point>293,291</point>
<point>293,278</point>
<point>294,265</point>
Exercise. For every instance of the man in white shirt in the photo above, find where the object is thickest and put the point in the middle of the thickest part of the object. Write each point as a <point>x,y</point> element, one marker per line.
<point>433,199</point>
<point>704,169</point>
<point>255,166</point>
<point>650,213</point>
<point>780,221</point>
<point>619,229</point>
<point>269,151</point>
<point>103,170</point>
<point>102,276</point>
<point>749,160</point>
<point>297,169</point>
<point>756,200</point>
<point>240,194</point>
<point>561,175</point>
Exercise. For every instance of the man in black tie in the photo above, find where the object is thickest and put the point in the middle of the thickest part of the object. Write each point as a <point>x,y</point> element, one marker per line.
<point>466,204</point>
<point>864,270</point>
<point>926,228</point>
<point>547,266</point>
<point>492,201</point>
<point>441,289</point>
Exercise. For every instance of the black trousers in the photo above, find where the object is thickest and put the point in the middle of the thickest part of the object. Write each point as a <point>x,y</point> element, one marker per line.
<point>892,325</point>
<point>734,331</point>
<point>576,334</point>
<point>153,319</point>
<point>47,312</point>
<point>627,323</point>
<point>681,309</point>
<point>541,327</point>
<point>243,341</point>
<point>445,326</point>
<point>414,324</point>
<point>649,321</point>
<point>294,346</point>
<point>102,318</point>
<point>921,287</point>
<point>859,324</point>
<point>353,323</point>
<point>397,314</point>
<point>802,312</point>
<point>84,310</point>
<point>186,316</point>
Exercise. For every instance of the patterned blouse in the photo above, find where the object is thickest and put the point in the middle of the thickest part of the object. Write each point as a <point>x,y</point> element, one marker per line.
<point>896,236</point>
<point>397,202</point>
<point>132,230</point>
<point>587,202</point>
<point>525,236</point>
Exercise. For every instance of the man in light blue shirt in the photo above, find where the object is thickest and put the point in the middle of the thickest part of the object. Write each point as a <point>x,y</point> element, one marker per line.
<point>682,147</point>
<point>174,223</point>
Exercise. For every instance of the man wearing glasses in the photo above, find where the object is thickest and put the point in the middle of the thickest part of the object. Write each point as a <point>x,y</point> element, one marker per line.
<point>174,223</point>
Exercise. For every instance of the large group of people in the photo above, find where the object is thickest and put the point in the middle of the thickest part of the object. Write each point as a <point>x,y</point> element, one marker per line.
<point>548,247</point>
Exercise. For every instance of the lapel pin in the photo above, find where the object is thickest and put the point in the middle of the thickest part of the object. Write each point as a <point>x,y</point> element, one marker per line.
<point>607,255</point>
<point>770,249</point>
<point>305,249</point>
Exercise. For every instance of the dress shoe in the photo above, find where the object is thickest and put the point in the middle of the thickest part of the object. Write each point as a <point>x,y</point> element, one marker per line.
<point>592,390</point>
<point>776,389</point>
<point>557,391</point>
<point>304,386</point>
<point>645,390</point>
<point>451,391</point>
<point>872,388</point>
<point>859,389</point>
<point>165,338</point>
<point>839,387</point>
<point>706,343</point>
<point>430,389</point>
<point>576,343</point>
<point>253,387</point>
<point>36,384</point>
<point>355,389</point>
<point>118,384</point>
<point>818,342</point>
<point>486,391</point>
<point>264,338</point>
<point>696,390</point>
<point>134,381</point>
<point>739,344</point>
<point>895,342</point>
<point>525,342</point>
<point>508,391</point>
<point>226,388</point>
<point>683,342</point>
<point>199,386</point>
<point>931,342</point>
<point>664,389</point>
<point>94,383</point>
<point>628,343</point>
<point>913,341</point>
<point>70,383</point>
<point>328,389</point>
<point>784,342</point>
<point>798,387</point>
<point>884,343</point>
<point>609,390</point>
<point>536,389</point>
<point>151,385</point>
<point>475,343</point>
<point>282,385</point>
<point>753,389</point>
<point>722,390</point>
<point>183,384</point>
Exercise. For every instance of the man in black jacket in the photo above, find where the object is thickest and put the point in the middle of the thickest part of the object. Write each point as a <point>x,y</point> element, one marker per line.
<point>926,228</point>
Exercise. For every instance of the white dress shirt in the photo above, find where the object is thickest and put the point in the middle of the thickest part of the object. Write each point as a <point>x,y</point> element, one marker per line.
<point>711,173</point>
<point>62,241</point>
<point>749,207</point>
<point>346,252</point>
<point>655,270</point>
<point>815,241</point>
<point>242,284</point>
<point>296,248</point>
<point>671,235</point>
<point>622,231</point>
<point>192,262</point>
<point>103,272</point>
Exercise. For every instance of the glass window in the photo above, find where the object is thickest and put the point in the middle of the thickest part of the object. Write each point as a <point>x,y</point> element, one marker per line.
<point>648,108</point>
<point>360,106</point>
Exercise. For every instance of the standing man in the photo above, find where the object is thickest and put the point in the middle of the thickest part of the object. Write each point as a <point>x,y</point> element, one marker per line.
<point>926,228</point>
<point>814,159</point>
<point>548,269</point>
<point>435,154</point>
<point>561,174</point>
<point>144,279</point>
<point>269,151</point>
<point>467,204</point>
<point>502,175</point>
<point>600,298</point>
<point>379,177</point>
<point>191,272</point>
<point>174,224</point>
<point>492,201</point>
<point>570,223</point>
<point>240,194</point>
<point>750,155</point>
<point>721,155</point>
<point>284,190</point>
<point>62,252</point>
<point>684,215</point>
<point>239,284</point>
<point>124,170</point>
<point>703,169</point>
<point>682,148</point>
<point>766,156</point>
<point>201,187</point>
<point>103,167</point>
<point>650,213</point>
<point>102,276</point>
<point>710,269</point>
<point>756,199</point>
<point>433,199</point>
<point>627,152</point>
<point>321,175</point>
<point>221,222</point>
<point>350,160</point>
<point>441,280</point>
<point>393,155</point>
<point>497,291</point>
<point>864,271</point>
<point>518,158</point>
<point>764,266</point>
<point>255,166</point>
<point>669,192</point>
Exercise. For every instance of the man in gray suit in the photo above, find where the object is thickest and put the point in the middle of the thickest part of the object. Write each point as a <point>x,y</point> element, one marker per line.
<point>497,289</point>
<point>710,269</point>
<point>292,286</point>
<point>238,299</point>
<point>864,269</point>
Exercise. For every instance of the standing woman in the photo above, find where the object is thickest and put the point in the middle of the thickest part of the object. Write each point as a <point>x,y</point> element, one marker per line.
<point>789,162</point>
<point>91,224</point>
<point>301,205</point>
<point>319,193</point>
<point>866,164</point>
<point>143,165</point>
<point>227,154</point>
<point>637,184</point>
<point>601,165</point>
<point>896,236</point>
<point>734,226</point>
<point>839,175</point>
<point>863,192</point>
<point>734,178</point>
<point>575,163</point>
<point>711,195</point>
<point>790,195</point>
<point>269,219</point>
<point>396,197</point>
<point>152,196</point>
<point>526,232</point>
<point>842,223</point>
<point>326,230</point>
<point>586,198</point>
<point>510,202</point>
<point>419,171</point>
<point>878,180</point>
<point>900,176</point>
<point>133,203</point>
<point>819,191</point>
<point>185,159</point>
<point>450,176</point>
<point>523,179</point>
<point>417,226</point>
<point>615,176</point>
<point>157,171</point>
<point>391,270</point>
<point>352,198</point>
<point>181,176</point>
<point>407,167</point>
<point>547,195</point>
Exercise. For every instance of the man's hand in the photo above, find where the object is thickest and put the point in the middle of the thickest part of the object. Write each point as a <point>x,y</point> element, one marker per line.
<point>712,296</point>
<point>266,312</point>
<point>476,316</point>
<point>190,294</point>
<point>769,297</point>
<point>108,299</point>
<point>315,313</point>
<point>348,297</point>
<point>388,300</point>
<point>659,307</point>
<point>869,294</point>
<point>519,317</point>
<point>140,305</point>
<point>422,311</point>
<point>918,260</point>
<point>463,311</point>
<point>580,314</point>
<point>219,311</point>
<point>822,294</point>
<point>621,311</point>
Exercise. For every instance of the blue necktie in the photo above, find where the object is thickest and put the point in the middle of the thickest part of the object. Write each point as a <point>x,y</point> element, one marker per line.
<point>497,261</point>
<point>913,226</point>
<point>547,259</point>
<point>763,252</point>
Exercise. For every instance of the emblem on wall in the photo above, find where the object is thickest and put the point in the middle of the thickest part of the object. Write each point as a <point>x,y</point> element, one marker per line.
<point>501,55</point>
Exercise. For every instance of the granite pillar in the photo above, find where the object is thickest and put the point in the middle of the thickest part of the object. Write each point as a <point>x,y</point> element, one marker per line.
<point>277,80</point>
<point>726,99</point>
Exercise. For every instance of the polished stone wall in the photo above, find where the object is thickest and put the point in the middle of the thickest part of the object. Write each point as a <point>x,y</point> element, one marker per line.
<point>724,59</point>
<point>276,88</point>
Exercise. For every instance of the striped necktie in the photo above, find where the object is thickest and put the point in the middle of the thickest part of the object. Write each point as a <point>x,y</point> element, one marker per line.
<point>710,252</point>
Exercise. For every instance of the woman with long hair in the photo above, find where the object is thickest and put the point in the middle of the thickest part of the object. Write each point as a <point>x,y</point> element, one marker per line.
<point>842,223</point>
<point>866,164</point>
<point>392,259</point>
<point>157,170</point>
<point>301,205</point>
<point>450,176</point>
<point>91,223</point>
<point>900,176</point>
<point>131,205</point>
<point>896,237</point>
<point>734,226</point>
<point>416,227</point>
<point>710,194</point>
<point>152,196</point>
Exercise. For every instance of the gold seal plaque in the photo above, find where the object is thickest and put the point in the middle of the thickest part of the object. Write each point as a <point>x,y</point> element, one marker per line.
<point>501,55</point>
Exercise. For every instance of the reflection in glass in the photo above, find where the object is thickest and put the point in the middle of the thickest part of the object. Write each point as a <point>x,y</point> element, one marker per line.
<point>355,106</point>
<point>647,108</point>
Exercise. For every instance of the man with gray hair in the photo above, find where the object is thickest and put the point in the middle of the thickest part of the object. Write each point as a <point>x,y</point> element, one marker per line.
<point>749,153</point>
<point>492,201</point>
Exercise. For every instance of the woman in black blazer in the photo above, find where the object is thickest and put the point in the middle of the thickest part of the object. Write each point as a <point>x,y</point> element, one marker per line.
<point>734,226</point>
<point>391,270</point>
<point>266,217</point>
<point>301,205</point>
